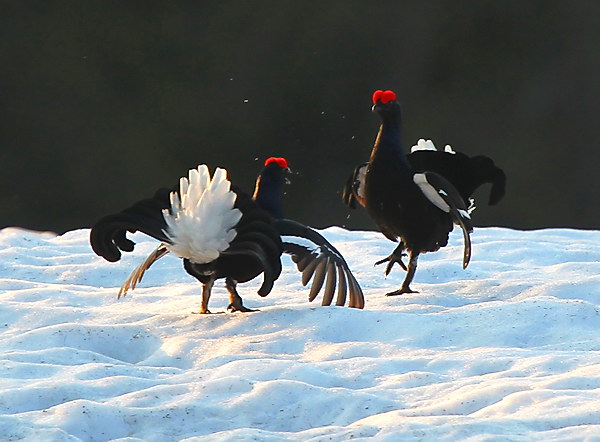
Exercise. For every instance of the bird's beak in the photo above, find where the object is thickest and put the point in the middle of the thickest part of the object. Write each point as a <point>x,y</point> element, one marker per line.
<point>376,106</point>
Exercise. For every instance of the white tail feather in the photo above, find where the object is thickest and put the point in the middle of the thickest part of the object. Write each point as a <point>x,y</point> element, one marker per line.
<point>424,144</point>
<point>202,217</point>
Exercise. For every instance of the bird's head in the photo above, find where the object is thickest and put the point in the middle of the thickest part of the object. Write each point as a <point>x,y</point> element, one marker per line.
<point>386,104</point>
<point>276,170</point>
<point>269,186</point>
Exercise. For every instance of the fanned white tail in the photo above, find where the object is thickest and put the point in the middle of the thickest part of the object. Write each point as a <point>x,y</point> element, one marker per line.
<point>424,144</point>
<point>201,220</point>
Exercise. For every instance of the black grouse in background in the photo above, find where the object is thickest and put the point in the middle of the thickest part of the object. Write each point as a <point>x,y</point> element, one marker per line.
<point>213,246</point>
<point>417,207</point>
<point>465,173</point>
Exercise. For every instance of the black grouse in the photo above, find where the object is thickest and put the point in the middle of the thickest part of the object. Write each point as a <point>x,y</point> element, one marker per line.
<point>221,232</point>
<point>465,173</point>
<point>413,205</point>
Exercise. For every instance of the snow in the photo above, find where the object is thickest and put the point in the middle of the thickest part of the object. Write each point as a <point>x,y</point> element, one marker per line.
<point>508,349</point>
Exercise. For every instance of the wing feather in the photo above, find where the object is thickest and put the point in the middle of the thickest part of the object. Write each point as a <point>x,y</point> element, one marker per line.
<point>314,256</point>
<point>329,284</point>
<point>342,287</point>
<point>320,273</point>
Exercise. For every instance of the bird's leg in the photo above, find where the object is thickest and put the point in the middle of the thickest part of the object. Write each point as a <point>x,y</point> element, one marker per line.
<point>235,300</point>
<point>395,257</point>
<point>206,290</point>
<point>412,268</point>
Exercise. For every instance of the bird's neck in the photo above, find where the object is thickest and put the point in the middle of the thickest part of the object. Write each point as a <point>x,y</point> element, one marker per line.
<point>267,195</point>
<point>388,144</point>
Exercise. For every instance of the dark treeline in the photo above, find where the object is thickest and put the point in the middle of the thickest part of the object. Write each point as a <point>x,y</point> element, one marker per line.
<point>103,102</point>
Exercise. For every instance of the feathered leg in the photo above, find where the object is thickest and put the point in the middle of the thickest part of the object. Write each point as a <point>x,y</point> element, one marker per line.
<point>412,268</point>
<point>235,300</point>
<point>206,291</point>
<point>395,257</point>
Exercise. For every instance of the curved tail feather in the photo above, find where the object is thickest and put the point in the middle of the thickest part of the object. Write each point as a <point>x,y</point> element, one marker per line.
<point>138,273</point>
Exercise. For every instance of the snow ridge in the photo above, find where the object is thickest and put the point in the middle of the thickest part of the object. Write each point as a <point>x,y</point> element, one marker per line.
<point>506,350</point>
<point>202,216</point>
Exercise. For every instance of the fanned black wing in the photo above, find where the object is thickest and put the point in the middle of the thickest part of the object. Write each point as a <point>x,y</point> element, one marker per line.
<point>256,248</point>
<point>493,175</point>
<point>108,236</point>
<point>465,173</point>
<point>321,262</point>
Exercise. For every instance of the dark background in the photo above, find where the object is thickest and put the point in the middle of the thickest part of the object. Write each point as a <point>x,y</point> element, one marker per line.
<point>103,102</point>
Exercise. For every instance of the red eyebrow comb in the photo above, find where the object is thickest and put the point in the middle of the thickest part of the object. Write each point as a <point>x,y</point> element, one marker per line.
<point>279,160</point>
<point>384,96</point>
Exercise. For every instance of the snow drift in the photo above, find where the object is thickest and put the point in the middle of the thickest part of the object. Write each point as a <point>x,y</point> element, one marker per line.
<point>507,349</point>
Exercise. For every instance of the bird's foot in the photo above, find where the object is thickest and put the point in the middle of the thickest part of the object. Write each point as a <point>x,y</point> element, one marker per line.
<point>239,308</point>
<point>203,312</point>
<point>391,260</point>
<point>401,291</point>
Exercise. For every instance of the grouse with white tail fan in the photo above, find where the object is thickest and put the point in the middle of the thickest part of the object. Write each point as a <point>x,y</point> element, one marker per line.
<point>213,246</point>
<point>216,229</point>
<point>416,208</point>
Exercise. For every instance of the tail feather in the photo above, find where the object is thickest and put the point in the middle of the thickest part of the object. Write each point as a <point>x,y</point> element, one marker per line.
<point>138,273</point>
<point>202,216</point>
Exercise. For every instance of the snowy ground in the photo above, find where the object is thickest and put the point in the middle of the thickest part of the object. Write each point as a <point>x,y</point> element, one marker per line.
<point>508,349</point>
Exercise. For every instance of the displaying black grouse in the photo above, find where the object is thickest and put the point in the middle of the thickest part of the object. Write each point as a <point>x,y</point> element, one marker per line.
<point>465,173</point>
<point>220,232</point>
<point>415,206</point>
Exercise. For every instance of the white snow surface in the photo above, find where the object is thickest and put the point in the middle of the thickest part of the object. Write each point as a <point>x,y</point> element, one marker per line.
<point>508,349</point>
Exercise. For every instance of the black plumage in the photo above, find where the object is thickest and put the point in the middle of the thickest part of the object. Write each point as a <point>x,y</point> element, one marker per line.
<point>417,207</point>
<point>317,259</point>
<point>465,173</point>
<point>255,249</point>
<point>262,235</point>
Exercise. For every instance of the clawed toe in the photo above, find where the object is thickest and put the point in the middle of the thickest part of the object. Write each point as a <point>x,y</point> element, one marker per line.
<point>239,308</point>
<point>401,291</point>
<point>391,260</point>
<point>386,259</point>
